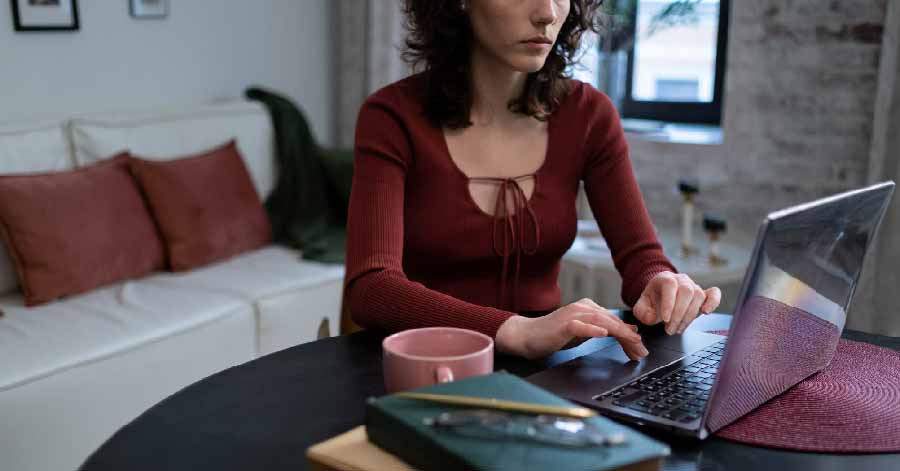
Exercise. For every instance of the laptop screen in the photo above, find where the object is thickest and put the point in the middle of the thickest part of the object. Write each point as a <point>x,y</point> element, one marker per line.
<point>793,305</point>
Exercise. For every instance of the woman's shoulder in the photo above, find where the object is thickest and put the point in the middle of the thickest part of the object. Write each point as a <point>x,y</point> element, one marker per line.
<point>586,101</point>
<point>403,97</point>
<point>391,119</point>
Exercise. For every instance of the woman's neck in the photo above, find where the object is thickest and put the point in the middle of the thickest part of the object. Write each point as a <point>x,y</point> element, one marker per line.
<point>494,85</point>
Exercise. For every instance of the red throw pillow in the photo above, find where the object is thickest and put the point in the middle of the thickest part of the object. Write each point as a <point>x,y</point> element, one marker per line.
<point>206,206</point>
<point>69,232</point>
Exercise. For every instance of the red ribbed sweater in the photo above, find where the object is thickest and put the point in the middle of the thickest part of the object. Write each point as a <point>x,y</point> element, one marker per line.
<point>421,253</point>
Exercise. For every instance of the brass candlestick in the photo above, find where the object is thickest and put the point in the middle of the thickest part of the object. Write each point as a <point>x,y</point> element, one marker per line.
<point>687,190</point>
<point>714,225</point>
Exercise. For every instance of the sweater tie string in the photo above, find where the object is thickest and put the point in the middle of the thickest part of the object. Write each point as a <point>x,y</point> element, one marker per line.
<point>508,231</point>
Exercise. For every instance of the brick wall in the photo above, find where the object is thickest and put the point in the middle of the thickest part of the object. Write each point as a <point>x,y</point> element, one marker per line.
<point>797,120</point>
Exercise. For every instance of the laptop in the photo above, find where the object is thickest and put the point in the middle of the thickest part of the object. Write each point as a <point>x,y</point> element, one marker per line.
<point>790,313</point>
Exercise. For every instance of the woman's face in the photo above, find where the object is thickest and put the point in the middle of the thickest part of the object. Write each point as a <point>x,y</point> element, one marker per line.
<point>518,33</point>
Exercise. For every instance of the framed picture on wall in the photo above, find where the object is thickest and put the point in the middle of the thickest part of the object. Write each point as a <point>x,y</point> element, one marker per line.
<point>45,15</point>
<point>149,8</point>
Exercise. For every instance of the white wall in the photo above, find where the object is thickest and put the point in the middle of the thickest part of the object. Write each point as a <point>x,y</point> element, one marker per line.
<point>204,50</point>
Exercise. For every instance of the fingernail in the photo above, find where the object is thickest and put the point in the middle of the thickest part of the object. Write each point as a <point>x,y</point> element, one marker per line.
<point>644,351</point>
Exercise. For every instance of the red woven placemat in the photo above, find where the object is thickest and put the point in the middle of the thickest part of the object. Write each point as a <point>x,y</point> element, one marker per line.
<point>851,406</point>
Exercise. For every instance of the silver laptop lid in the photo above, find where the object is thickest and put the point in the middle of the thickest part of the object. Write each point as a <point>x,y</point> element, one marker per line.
<point>793,303</point>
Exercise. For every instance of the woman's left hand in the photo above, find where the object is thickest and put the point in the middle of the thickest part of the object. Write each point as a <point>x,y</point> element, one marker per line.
<point>673,298</point>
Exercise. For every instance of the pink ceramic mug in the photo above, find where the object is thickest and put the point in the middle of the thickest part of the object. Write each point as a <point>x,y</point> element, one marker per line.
<point>420,357</point>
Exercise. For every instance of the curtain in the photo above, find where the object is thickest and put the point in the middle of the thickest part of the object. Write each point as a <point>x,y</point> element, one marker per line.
<point>370,35</point>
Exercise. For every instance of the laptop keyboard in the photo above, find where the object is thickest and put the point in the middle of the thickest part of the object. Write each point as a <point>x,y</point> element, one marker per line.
<point>677,392</point>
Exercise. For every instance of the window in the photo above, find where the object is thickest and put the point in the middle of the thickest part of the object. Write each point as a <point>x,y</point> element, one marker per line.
<point>675,70</point>
<point>677,90</point>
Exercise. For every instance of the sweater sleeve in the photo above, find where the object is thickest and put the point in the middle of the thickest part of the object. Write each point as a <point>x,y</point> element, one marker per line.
<point>617,203</point>
<point>377,291</point>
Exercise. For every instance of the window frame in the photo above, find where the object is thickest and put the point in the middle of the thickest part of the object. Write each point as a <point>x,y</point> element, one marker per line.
<point>680,111</point>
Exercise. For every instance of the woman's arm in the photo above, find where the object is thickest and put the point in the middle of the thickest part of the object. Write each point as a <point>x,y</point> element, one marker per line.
<point>617,203</point>
<point>377,291</point>
<point>650,282</point>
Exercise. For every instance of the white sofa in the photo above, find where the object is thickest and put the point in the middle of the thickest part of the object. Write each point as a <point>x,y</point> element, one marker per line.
<point>75,370</point>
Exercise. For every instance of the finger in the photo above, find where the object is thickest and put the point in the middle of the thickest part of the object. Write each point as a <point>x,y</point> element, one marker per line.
<point>577,328</point>
<point>614,326</point>
<point>634,350</point>
<point>602,310</point>
<point>693,309</point>
<point>685,294</point>
<point>643,310</point>
<point>625,334</point>
<point>617,328</point>
<point>713,298</point>
<point>667,292</point>
<point>599,315</point>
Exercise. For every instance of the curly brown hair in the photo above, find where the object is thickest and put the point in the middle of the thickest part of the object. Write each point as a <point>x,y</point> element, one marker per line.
<point>440,38</point>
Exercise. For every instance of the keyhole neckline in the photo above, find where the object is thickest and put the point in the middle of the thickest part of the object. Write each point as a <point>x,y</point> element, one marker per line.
<point>466,179</point>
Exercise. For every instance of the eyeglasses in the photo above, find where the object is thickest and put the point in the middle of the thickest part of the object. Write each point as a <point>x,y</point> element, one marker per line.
<point>480,423</point>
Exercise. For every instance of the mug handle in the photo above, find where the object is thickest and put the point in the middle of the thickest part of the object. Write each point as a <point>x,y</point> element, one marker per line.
<point>443,374</point>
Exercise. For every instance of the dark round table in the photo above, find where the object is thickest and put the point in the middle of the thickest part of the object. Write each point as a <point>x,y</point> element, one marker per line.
<point>264,414</point>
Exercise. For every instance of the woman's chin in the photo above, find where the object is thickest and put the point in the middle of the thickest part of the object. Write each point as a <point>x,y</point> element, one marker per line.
<point>528,65</point>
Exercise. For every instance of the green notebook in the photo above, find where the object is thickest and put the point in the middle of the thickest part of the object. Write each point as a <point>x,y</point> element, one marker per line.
<point>396,425</point>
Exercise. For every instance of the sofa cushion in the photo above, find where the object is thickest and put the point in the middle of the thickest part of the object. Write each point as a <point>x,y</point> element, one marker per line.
<point>175,133</point>
<point>262,273</point>
<point>38,147</point>
<point>69,232</point>
<point>291,296</point>
<point>299,315</point>
<point>205,205</point>
<point>28,148</point>
<point>39,341</point>
<point>56,421</point>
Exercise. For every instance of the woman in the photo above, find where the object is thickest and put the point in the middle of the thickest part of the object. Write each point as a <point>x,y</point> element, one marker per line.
<point>465,179</point>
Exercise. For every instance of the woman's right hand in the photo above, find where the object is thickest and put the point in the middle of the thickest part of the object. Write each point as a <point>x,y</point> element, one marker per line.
<point>542,336</point>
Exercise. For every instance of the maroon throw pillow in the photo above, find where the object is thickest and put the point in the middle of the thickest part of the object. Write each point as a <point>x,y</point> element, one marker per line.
<point>205,205</point>
<point>69,232</point>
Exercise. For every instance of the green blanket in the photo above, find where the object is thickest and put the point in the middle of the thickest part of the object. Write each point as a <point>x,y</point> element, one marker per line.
<point>308,207</point>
